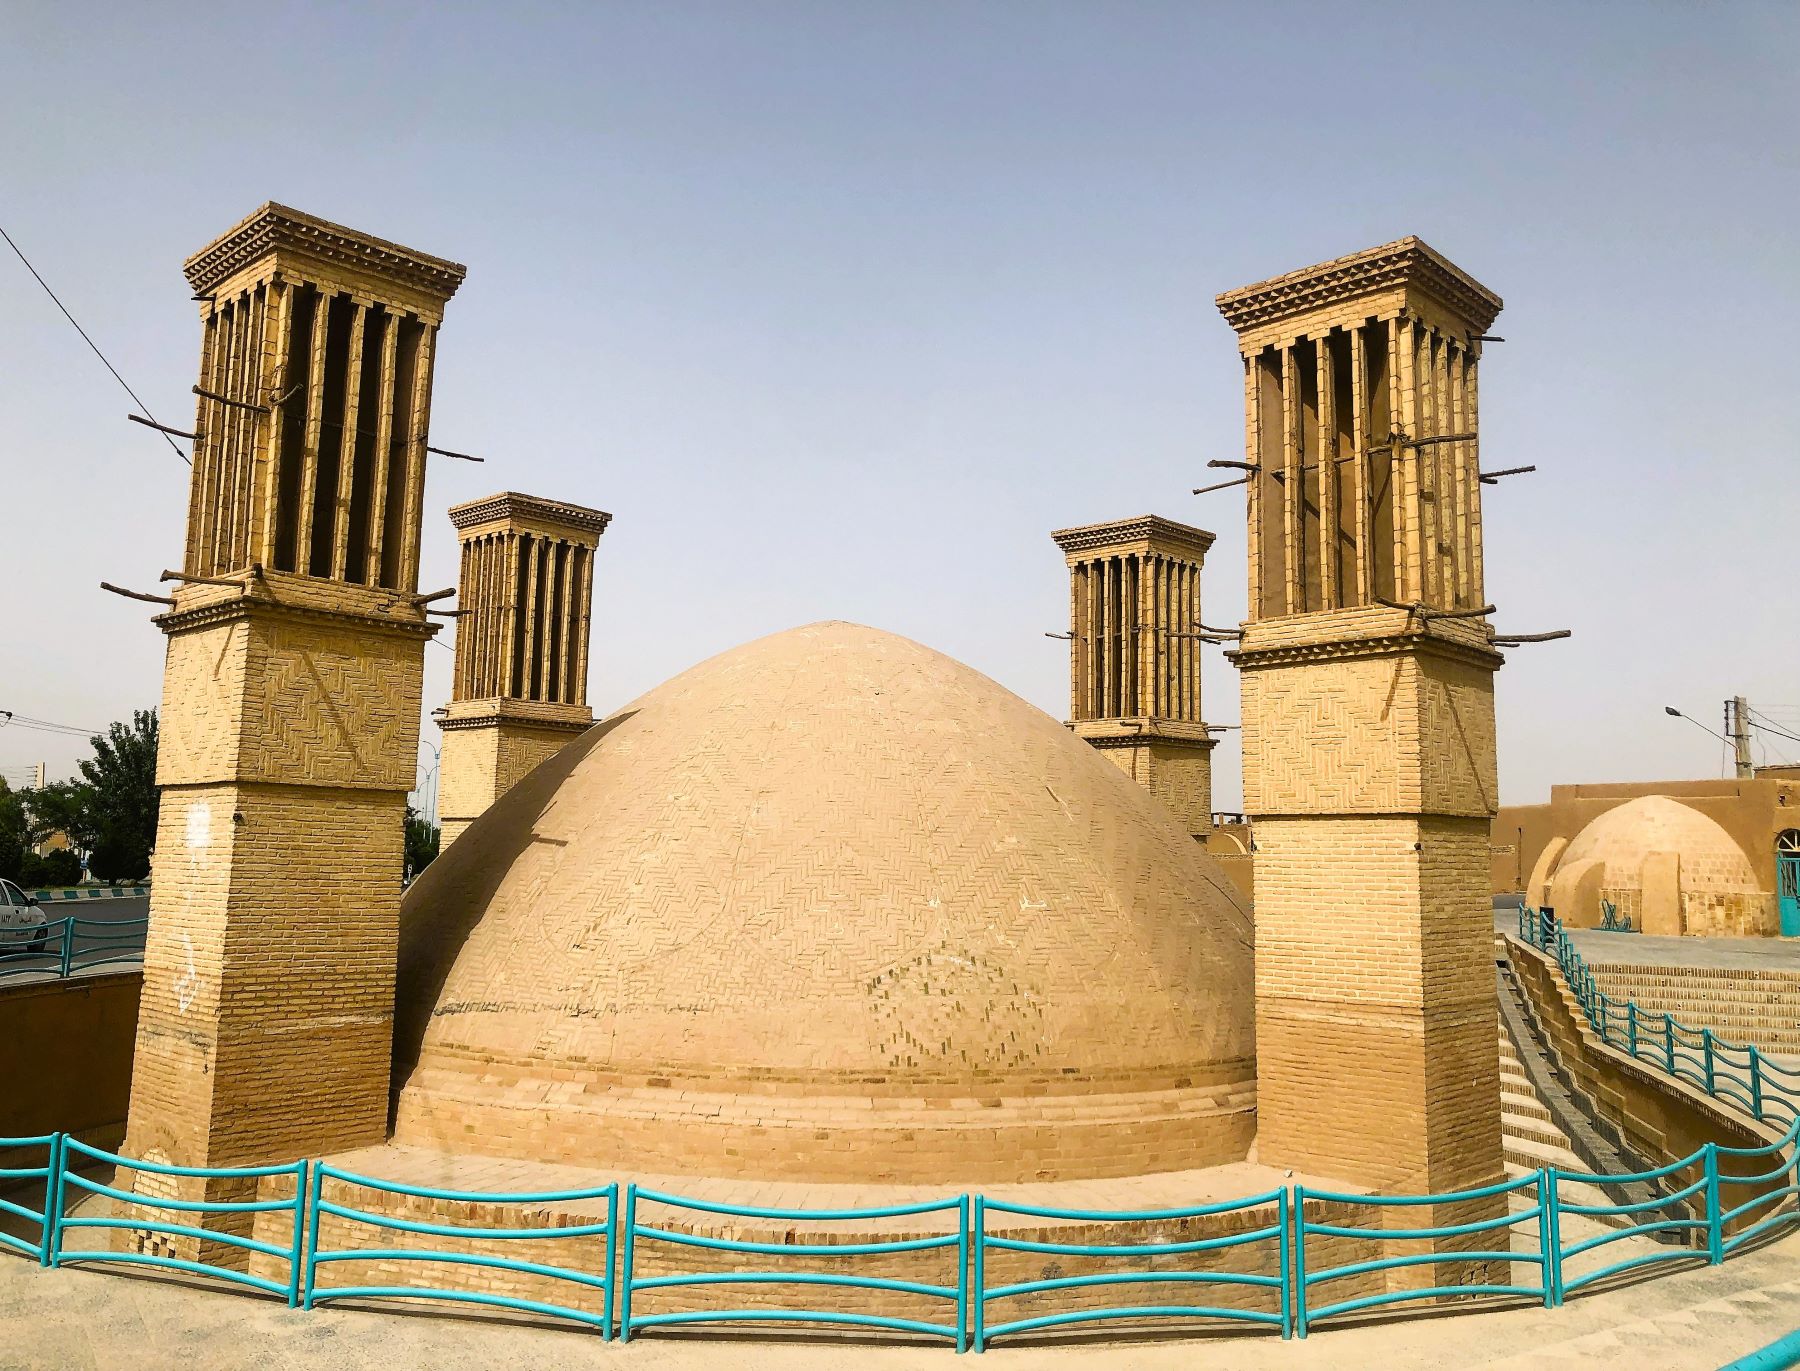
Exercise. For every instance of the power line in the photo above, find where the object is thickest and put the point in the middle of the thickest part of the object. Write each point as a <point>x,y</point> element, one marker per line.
<point>89,341</point>
<point>8,719</point>
<point>1768,727</point>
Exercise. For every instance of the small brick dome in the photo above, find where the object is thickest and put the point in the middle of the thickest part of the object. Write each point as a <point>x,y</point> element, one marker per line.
<point>1718,890</point>
<point>829,906</point>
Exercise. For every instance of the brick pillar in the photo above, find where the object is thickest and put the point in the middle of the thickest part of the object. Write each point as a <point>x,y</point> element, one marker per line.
<point>1134,623</point>
<point>291,700</point>
<point>1368,715</point>
<point>520,693</point>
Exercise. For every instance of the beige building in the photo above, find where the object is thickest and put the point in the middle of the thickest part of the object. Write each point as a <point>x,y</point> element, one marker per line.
<point>1706,858</point>
<point>519,695</point>
<point>1134,656</point>
<point>1368,716</point>
<point>291,700</point>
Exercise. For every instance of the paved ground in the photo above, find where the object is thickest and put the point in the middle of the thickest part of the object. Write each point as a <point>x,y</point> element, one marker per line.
<point>1711,954</point>
<point>90,936</point>
<point>1692,1320</point>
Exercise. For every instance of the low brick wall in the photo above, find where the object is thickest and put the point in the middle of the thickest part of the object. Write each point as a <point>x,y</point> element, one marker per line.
<point>1745,1005</point>
<point>65,1056</point>
<point>938,1266</point>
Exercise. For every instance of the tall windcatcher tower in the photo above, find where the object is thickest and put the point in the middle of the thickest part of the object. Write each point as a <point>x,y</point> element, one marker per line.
<point>520,693</point>
<point>1368,714</point>
<point>1134,656</point>
<point>291,698</point>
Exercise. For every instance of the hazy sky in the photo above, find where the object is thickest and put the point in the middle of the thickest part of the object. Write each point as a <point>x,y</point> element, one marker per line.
<point>841,308</point>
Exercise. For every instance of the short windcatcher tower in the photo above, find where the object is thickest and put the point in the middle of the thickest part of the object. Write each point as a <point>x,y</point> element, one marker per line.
<point>520,693</point>
<point>1134,659</point>
<point>1368,715</point>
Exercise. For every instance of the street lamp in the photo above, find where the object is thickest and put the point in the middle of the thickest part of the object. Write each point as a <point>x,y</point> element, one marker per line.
<point>1675,713</point>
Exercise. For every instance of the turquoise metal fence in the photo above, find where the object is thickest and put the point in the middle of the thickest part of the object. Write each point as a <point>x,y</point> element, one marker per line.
<point>1737,1073</point>
<point>1540,1217</point>
<point>19,1179</point>
<point>956,1294</point>
<point>59,1225</point>
<point>1700,1213</point>
<point>604,1233</point>
<point>1278,1233</point>
<point>73,944</point>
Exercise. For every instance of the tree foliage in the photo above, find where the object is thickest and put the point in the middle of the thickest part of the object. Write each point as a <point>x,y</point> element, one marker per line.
<point>15,832</point>
<point>121,779</point>
<point>422,838</point>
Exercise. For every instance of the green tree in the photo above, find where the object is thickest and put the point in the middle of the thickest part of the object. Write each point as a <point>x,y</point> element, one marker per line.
<point>122,799</point>
<point>422,838</point>
<point>65,807</point>
<point>15,832</point>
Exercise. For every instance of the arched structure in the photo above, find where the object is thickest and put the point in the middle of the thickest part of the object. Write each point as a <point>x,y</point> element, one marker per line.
<point>1665,866</point>
<point>830,906</point>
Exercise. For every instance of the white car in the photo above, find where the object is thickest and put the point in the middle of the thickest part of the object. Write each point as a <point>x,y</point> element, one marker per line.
<point>23,927</point>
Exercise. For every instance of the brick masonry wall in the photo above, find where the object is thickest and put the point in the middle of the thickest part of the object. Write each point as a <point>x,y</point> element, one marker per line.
<point>655,1258</point>
<point>479,765</point>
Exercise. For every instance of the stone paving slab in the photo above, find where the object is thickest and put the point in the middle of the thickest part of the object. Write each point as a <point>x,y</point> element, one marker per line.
<point>1690,1320</point>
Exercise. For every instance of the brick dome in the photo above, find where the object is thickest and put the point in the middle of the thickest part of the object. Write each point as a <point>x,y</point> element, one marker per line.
<point>829,906</point>
<point>1718,890</point>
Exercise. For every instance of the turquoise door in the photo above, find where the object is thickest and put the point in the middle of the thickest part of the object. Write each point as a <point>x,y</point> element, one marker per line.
<point>1787,881</point>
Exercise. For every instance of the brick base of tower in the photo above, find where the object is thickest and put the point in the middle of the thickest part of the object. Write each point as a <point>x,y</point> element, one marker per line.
<point>1370,777</point>
<point>492,745</point>
<point>1375,1020</point>
<point>288,745</point>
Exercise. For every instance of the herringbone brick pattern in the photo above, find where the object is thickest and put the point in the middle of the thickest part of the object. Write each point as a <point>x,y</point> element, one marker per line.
<point>833,887</point>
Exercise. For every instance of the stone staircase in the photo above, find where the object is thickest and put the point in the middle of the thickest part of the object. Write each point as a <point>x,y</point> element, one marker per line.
<point>1531,1137</point>
<point>1538,1115</point>
<point>1738,1004</point>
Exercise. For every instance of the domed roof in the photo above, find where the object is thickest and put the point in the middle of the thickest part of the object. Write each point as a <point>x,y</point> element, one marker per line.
<point>1623,836</point>
<point>829,886</point>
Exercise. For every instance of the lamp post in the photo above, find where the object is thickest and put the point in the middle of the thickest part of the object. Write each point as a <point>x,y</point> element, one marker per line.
<point>1675,713</point>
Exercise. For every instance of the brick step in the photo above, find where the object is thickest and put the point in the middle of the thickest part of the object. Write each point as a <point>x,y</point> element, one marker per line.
<point>1575,1192</point>
<point>1532,1154</point>
<point>1524,1104</point>
<point>1524,1129</point>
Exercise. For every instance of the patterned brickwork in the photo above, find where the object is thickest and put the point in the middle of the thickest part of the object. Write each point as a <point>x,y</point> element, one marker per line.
<point>483,761</point>
<point>827,905</point>
<point>1369,744</point>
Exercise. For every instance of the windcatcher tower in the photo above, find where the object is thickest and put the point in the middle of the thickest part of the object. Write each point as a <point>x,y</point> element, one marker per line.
<point>520,693</point>
<point>1368,716</point>
<point>1134,656</point>
<point>291,700</point>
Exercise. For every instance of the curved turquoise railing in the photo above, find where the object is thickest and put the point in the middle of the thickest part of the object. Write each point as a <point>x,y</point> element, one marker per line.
<point>604,1233</point>
<point>956,1294</point>
<point>1277,1233</point>
<point>13,1178</point>
<point>1488,1253</point>
<point>1699,1210</point>
<point>60,1225</point>
<point>1737,1073</point>
<point>74,944</point>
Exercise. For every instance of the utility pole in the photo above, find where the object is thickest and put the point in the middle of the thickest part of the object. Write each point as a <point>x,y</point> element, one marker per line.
<point>1737,728</point>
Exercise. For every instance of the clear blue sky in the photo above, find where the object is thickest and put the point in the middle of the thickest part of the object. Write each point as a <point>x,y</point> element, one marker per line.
<point>840,308</point>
